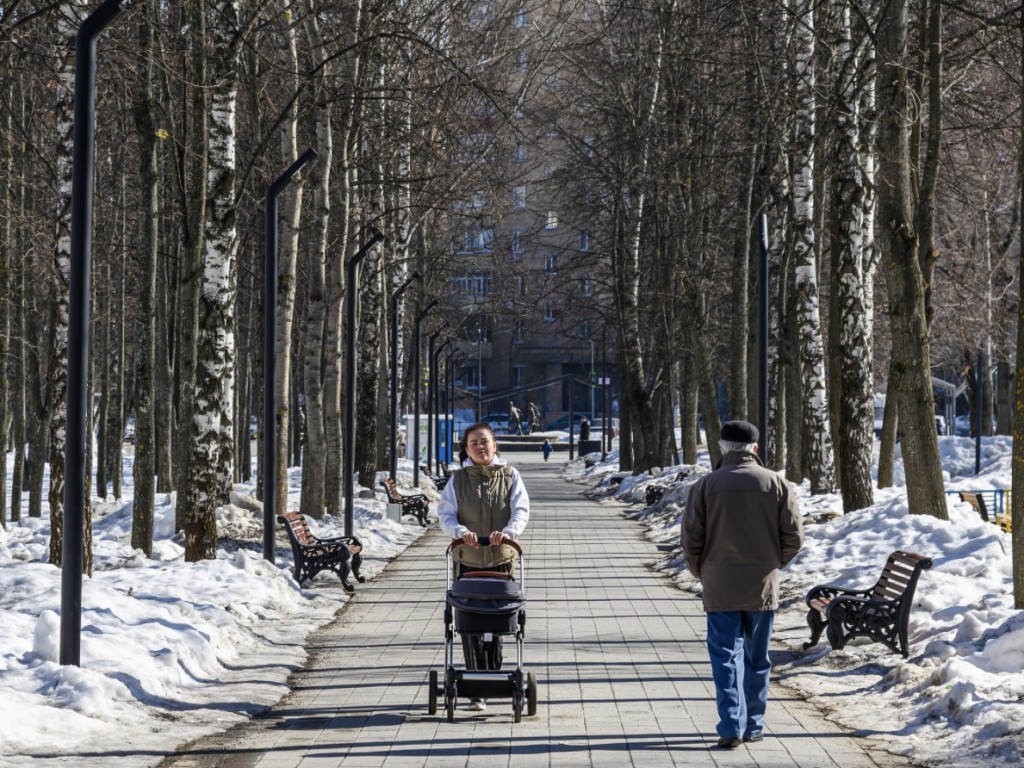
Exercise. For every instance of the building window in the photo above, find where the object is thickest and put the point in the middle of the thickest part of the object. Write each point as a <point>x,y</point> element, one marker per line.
<point>583,329</point>
<point>549,311</point>
<point>551,220</point>
<point>522,17</point>
<point>551,264</point>
<point>585,285</point>
<point>519,153</point>
<point>475,377</point>
<point>584,240</point>
<point>472,286</point>
<point>516,245</point>
<point>520,286</point>
<point>549,171</point>
<point>519,197</point>
<point>521,59</point>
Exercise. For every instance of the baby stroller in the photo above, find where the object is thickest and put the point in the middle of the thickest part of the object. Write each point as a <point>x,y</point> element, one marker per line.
<point>482,606</point>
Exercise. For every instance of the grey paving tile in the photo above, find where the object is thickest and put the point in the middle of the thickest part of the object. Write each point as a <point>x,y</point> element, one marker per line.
<point>619,652</point>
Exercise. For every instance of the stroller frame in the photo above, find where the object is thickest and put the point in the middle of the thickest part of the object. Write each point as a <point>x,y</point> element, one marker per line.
<point>514,683</point>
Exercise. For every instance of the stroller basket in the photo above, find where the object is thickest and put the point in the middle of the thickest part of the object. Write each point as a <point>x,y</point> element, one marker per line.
<point>486,605</point>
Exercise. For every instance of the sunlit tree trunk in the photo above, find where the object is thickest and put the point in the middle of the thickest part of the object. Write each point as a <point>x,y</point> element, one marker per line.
<point>904,208</point>
<point>817,432</point>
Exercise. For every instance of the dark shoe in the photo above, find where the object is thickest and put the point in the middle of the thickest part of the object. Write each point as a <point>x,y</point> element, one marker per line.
<point>347,586</point>
<point>729,742</point>
<point>754,737</point>
<point>361,579</point>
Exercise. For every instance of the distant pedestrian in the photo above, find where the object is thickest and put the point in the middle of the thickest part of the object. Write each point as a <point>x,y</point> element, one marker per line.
<point>584,429</point>
<point>740,526</point>
<point>546,449</point>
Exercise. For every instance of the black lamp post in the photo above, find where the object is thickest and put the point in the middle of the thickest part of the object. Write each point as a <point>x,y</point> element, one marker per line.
<point>454,359</point>
<point>416,393</point>
<point>270,236</point>
<point>435,387</point>
<point>394,371</point>
<point>83,150</point>
<point>350,375</point>
<point>762,335</point>
<point>431,397</point>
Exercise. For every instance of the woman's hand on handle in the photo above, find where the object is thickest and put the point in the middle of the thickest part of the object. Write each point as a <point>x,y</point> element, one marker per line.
<point>496,538</point>
<point>469,538</point>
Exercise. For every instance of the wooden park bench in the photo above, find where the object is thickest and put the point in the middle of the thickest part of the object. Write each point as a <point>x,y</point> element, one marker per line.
<point>412,503</point>
<point>881,613</point>
<point>977,500</point>
<point>341,555</point>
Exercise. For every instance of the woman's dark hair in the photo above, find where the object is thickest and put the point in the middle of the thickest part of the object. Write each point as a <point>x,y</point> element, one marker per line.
<point>463,453</point>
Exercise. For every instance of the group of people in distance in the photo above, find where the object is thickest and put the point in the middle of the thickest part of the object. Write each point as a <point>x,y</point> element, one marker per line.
<point>740,526</point>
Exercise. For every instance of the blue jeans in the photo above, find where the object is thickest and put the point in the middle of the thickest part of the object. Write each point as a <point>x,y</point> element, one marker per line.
<point>738,646</point>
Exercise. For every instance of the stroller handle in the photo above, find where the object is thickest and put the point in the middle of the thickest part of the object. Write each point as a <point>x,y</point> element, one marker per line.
<point>504,540</point>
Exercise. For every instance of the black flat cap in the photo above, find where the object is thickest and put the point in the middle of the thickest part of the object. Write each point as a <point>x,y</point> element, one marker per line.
<point>740,432</point>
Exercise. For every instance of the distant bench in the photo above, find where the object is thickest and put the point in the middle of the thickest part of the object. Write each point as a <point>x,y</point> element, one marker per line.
<point>412,503</point>
<point>341,555</point>
<point>881,613</point>
<point>997,510</point>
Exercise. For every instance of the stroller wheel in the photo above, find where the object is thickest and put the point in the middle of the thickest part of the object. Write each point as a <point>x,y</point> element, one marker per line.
<point>531,694</point>
<point>449,703</point>
<point>517,708</point>
<point>432,693</point>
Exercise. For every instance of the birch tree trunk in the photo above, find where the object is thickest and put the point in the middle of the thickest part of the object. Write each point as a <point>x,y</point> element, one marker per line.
<point>314,466</point>
<point>193,191</point>
<point>68,20</point>
<point>630,209</point>
<point>212,407</point>
<point>336,287</point>
<point>852,269</point>
<point>816,427</point>
<point>287,267</point>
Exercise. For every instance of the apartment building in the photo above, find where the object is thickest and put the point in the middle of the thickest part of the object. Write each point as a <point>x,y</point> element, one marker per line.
<point>525,263</point>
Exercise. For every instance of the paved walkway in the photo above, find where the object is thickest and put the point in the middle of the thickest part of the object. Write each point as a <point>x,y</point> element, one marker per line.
<point>617,649</point>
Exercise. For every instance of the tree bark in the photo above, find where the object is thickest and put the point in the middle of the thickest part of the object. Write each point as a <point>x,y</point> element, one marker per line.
<point>904,264</point>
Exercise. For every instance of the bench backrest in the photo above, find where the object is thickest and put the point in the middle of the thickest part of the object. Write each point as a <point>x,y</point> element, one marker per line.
<point>977,501</point>
<point>899,577</point>
<point>391,487</point>
<point>296,524</point>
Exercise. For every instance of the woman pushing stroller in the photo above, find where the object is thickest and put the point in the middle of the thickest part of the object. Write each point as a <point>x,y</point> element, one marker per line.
<point>484,502</point>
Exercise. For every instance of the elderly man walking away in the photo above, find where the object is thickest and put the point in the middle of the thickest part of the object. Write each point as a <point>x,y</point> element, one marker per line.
<point>740,526</point>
